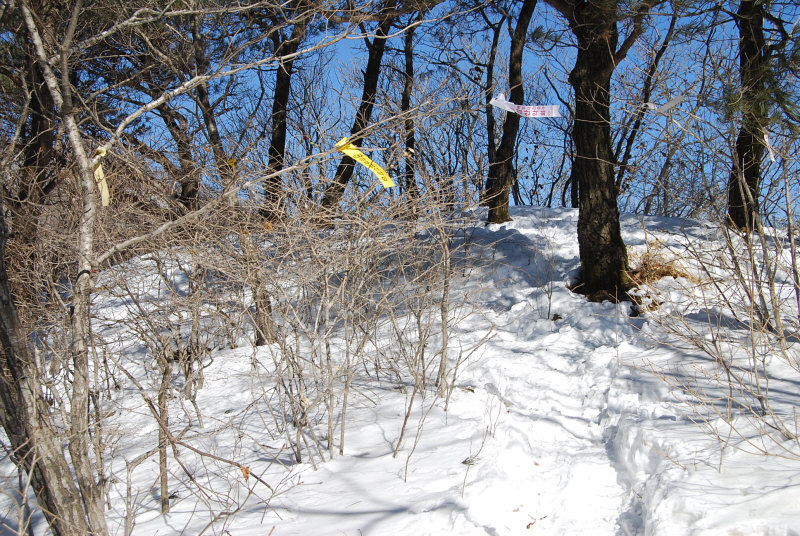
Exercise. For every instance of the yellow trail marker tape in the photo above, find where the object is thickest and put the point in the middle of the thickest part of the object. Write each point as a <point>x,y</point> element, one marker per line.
<point>100,177</point>
<point>352,151</point>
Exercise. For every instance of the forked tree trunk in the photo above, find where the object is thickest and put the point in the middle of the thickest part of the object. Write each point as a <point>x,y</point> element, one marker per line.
<point>23,414</point>
<point>501,171</point>
<point>604,259</point>
<point>91,498</point>
<point>344,172</point>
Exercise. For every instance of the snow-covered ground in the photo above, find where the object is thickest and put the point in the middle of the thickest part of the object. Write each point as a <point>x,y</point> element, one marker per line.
<point>557,425</point>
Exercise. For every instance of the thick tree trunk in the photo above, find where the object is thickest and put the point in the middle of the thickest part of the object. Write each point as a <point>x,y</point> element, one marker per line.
<point>39,150</point>
<point>501,172</point>
<point>604,259</point>
<point>334,192</point>
<point>273,185</point>
<point>39,179</point>
<point>745,179</point>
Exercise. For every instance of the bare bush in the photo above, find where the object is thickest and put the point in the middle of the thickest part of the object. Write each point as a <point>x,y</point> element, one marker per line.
<point>740,311</point>
<point>368,298</point>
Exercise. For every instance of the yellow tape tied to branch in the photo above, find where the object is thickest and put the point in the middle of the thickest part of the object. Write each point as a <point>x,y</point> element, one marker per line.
<point>100,177</point>
<point>353,152</point>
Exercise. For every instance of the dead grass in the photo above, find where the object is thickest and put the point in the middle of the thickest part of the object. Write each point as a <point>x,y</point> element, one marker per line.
<point>654,264</point>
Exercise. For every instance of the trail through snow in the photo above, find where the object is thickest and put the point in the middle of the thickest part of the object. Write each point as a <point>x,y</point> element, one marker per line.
<point>541,434</point>
<point>556,426</point>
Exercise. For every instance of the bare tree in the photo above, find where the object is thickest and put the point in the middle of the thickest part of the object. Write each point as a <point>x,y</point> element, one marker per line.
<point>286,47</point>
<point>77,137</point>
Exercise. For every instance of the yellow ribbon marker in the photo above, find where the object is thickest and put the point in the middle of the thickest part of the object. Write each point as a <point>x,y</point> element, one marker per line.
<point>352,151</point>
<point>100,177</point>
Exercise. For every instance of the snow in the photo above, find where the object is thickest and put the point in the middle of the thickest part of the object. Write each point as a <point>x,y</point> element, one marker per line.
<point>566,421</point>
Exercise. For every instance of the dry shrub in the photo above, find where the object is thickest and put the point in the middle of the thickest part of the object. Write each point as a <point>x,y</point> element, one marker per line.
<point>655,263</point>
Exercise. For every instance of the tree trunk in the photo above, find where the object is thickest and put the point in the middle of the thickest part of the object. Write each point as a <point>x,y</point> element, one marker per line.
<point>491,143</point>
<point>266,331</point>
<point>39,151</point>
<point>80,427</point>
<point>36,449</point>
<point>39,179</point>
<point>604,259</point>
<point>280,102</point>
<point>334,192</point>
<point>188,175</point>
<point>501,172</point>
<point>225,166</point>
<point>409,181</point>
<point>745,179</point>
<point>165,362</point>
<point>630,138</point>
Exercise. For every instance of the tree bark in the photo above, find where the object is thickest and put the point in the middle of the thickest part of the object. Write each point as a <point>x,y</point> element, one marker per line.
<point>165,362</point>
<point>285,50</point>
<point>604,258</point>
<point>188,175</point>
<point>491,142</point>
<point>39,151</point>
<point>80,427</point>
<point>409,182</point>
<point>36,448</point>
<point>501,171</point>
<point>40,159</point>
<point>745,178</point>
<point>334,192</point>
<point>226,168</point>
<point>266,331</point>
